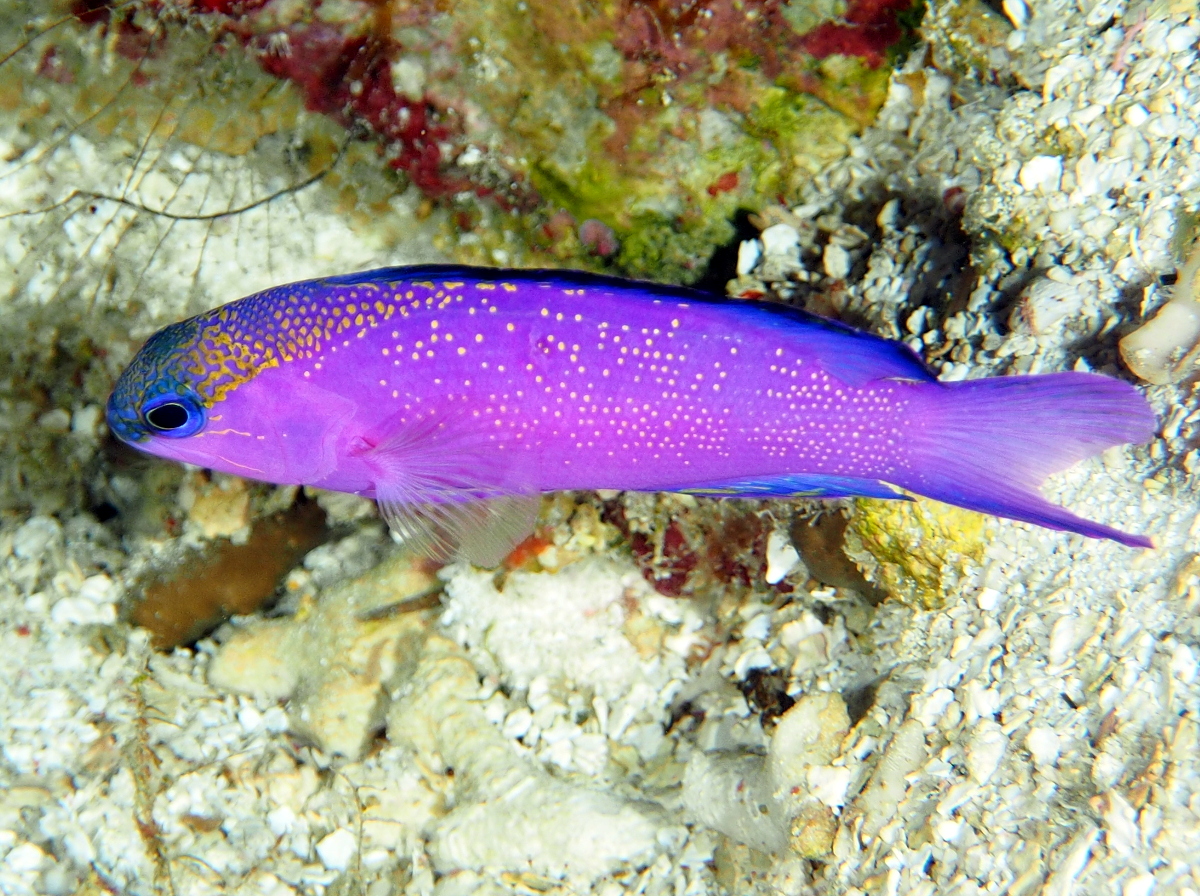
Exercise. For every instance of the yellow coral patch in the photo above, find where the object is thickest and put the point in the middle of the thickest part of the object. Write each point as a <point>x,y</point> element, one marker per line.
<point>915,551</point>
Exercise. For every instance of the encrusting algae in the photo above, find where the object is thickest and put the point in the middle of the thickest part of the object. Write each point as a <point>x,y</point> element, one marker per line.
<point>679,114</point>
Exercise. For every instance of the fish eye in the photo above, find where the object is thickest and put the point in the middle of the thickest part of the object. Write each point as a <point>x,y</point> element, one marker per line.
<point>174,417</point>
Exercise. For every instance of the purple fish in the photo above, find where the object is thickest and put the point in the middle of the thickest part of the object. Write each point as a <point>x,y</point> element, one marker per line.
<point>454,396</point>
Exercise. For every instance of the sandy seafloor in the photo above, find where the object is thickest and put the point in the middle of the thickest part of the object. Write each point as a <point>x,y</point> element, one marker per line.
<point>1035,730</point>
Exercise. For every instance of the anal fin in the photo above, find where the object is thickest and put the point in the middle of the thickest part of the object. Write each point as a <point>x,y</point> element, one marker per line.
<point>801,485</point>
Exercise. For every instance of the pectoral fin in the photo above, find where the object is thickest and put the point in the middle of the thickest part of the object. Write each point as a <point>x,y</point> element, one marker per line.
<point>453,492</point>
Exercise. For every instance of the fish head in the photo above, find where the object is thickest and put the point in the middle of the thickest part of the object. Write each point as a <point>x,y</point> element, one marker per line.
<point>155,401</point>
<point>197,394</point>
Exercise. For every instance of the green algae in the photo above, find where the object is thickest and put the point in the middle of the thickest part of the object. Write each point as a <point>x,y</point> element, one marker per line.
<point>802,133</point>
<point>672,211</point>
<point>805,16</point>
<point>605,109</point>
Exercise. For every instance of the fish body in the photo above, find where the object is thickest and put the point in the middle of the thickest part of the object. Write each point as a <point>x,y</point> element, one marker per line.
<point>434,387</point>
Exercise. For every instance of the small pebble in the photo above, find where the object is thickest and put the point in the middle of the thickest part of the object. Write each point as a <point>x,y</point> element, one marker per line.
<point>1044,746</point>
<point>1017,12</point>
<point>35,536</point>
<point>1181,39</point>
<point>57,420</point>
<point>782,557</point>
<point>517,723</point>
<point>86,421</point>
<point>1136,115</point>
<point>24,858</point>
<point>836,262</point>
<point>1041,173</point>
<point>749,252</point>
<point>780,239</point>
<point>336,850</point>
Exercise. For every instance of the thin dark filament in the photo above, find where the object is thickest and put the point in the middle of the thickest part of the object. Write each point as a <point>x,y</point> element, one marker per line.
<point>212,216</point>
<point>77,126</point>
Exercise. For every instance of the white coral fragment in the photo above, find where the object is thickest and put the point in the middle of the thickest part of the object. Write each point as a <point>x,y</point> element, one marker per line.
<point>510,814</point>
<point>1164,349</point>
<point>784,799</point>
<point>780,239</point>
<point>1048,302</point>
<point>782,557</point>
<point>1041,173</point>
<point>336,850</point>
<point>336,662</point>
<point>749,252</point>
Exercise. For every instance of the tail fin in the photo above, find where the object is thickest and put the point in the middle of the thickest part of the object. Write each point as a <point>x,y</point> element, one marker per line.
<point>989,444</point>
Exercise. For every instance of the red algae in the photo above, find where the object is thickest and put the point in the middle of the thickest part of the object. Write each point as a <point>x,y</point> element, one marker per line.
<point>868,29</point>
<point>228,7</point>
<point>349,78</point>
<point>724,184</point>
<point>132,40</point>
<point>714,548</point>
<point>51,66</point>
<point>598,238</point>
<point>525,555</point>
<point>665,565</point>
